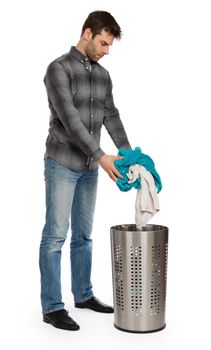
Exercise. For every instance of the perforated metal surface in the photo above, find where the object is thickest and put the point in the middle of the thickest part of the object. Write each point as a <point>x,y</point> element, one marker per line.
<point>118,276</point>
<point>139,263</point>
<point>136,278</point>
<point>155,280</point>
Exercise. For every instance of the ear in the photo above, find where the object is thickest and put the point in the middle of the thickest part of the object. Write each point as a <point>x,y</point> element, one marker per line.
<point>87,34</point>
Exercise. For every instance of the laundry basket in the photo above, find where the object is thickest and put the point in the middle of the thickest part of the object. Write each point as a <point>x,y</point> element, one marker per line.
<point>139,271</point>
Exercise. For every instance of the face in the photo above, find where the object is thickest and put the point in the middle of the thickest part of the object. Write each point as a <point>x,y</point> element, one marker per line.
<point>99,46</point>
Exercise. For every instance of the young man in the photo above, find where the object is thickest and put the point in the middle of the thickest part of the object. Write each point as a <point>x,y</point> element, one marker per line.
<point>80,98</point>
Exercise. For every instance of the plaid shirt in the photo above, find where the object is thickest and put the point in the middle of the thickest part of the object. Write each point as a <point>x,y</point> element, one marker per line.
<point>80,99</point>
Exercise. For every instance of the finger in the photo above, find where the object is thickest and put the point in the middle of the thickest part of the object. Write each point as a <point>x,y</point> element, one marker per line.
<point>112,176</point>
<point>117,173</point>
<point>118,157</point>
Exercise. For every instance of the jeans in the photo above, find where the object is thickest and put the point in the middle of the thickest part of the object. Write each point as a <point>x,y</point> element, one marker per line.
<point>70,196</point>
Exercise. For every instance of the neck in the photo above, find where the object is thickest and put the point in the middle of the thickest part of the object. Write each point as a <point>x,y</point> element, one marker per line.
<point>81,47</point>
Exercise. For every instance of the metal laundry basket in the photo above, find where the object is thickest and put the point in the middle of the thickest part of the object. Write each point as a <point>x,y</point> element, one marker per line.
<point>139,270</point>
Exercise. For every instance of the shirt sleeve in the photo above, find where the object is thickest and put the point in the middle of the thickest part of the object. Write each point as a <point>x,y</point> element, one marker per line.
<point>113,122</point>
<point>59,93</point>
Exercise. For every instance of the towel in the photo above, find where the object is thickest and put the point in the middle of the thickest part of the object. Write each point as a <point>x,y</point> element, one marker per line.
<point>132,157</point>
<point>147,203</point>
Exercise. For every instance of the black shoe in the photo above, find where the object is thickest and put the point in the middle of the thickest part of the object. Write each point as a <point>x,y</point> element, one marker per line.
<point>60,319</point>
<point>96,305</point>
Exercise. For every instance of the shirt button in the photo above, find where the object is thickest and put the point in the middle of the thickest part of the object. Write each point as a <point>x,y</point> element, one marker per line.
<point>87,68</point>
<point>92,99</point>
<point>92,116</point>
<point>91,132</point>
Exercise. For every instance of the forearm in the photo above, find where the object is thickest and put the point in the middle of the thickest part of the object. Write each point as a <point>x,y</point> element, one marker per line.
<point>113,122</point>
<point>116,131</point>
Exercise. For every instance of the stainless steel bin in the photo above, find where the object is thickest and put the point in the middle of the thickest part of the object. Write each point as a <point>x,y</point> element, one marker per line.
<point>139,271</point>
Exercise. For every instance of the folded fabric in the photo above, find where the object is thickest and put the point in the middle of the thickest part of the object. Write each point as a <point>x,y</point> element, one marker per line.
<point>147,203</point>
<point>132,157</point>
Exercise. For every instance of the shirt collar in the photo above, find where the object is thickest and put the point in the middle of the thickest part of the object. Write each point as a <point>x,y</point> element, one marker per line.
<point>81,57</point>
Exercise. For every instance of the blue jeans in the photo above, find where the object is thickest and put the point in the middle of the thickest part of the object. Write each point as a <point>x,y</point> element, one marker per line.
<point>69,195</point>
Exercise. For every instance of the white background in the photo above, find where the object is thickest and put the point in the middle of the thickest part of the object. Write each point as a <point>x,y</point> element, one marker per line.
<point>161,74</point>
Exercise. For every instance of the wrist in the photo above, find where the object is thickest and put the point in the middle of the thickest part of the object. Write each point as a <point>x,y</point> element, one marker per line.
<point>97,155</point>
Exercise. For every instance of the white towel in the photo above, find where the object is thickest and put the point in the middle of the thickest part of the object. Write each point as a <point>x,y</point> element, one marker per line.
<point>147,203</point>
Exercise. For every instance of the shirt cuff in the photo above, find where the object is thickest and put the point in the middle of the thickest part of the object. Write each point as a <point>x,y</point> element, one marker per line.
<point>126,146</point>
<point>98,154</point>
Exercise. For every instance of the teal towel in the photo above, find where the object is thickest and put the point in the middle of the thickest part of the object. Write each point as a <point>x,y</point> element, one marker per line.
<point>132,157</point>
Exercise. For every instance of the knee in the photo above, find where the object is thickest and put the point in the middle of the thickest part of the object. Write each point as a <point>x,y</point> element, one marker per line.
<point>53,236</point>
<point>52,244</point>
<point>81,242</point>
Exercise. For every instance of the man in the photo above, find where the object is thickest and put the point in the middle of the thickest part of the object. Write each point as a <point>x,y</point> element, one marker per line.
<point>80,98</point>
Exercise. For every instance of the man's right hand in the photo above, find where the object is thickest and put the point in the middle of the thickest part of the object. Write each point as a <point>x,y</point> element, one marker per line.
<point>107,163</point>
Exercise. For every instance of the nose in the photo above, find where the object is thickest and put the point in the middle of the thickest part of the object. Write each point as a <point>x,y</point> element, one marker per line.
<point>106,50</point>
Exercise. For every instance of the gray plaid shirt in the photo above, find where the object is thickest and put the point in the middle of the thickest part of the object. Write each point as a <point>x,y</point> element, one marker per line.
<point>81,101</point>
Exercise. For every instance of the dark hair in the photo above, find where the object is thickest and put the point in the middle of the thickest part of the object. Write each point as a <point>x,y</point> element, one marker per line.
<point>99,20</point>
